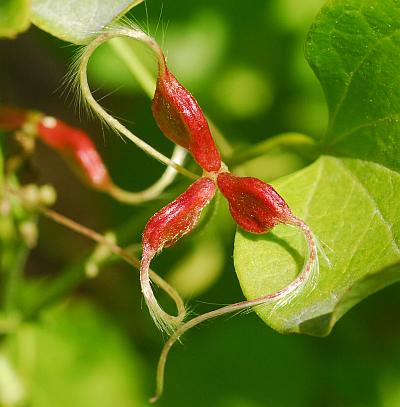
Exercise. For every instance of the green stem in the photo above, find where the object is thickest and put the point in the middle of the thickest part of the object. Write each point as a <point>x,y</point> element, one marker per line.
<point>154,190</point>
<point>13,250</point>
<point>225,147</point>
<point>310,268</point>
<point>103,114</point>
<point>1,169</point>
<point>14,275</point>
<point>148,83</point>
<point>135,66</point>
<point>295,141</point>
<point>73,276</point>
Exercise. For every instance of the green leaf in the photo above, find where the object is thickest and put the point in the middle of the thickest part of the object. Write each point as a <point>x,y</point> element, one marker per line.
<point>14,17</point>
<point>354,49</point>
<point>352,204</point>
<point>77,20</point>
<point>75,357</point>
<point>352,208</point>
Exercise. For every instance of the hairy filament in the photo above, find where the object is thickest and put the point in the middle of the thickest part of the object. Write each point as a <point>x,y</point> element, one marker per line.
<point>81,65</point>
<point>164,229</point>
<point>101,239</point>
<point>153,191</point>
<point>281,294</point>
<point>148,84</point>
<point>75,144</point>
<point>91,234</point>
<point>134,65</point>
<point>291,141</point>
<point>164,321</point>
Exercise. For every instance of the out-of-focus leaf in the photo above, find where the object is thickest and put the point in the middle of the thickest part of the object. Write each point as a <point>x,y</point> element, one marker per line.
<point>202,265</point>
<point>192,55</point>
<point>293,16</point>
<point>199,269</point>
<point>243,92</point>
<point>11,388</point>
<point>76,357</point>
<point>14,17</point>
<point>77,20</point>
<point>109,72</point>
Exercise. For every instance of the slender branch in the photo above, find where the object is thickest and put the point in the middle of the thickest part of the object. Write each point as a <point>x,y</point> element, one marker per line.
<point>226,148</point>
<point>14,275</point>
<point>97,237</point>
<point>154,190</point>
<point>135,66</point>
<point>282,294</point>
<point>97,108</point>
<point>13,248</point>
<point>148,83</point>
<point>288,140</point>
<point>135,262</point>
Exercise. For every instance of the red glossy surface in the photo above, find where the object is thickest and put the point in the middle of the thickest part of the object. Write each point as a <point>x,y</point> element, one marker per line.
<point>181,119</point>
<point>178,218</point>
<point>254,204</point>
<point>77,147</point>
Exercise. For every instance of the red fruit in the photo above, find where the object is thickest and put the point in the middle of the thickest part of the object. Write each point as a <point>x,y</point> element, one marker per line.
<point>180,118</point>
<point>77,148</point>
<point>179,217</point>
<point>254,204</point>
<point>164,229</point>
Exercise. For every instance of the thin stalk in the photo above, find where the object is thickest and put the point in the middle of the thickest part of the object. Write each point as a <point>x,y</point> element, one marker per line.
<point>164,321</point>
<point>135,66</point>
<point>239,306</point>
<point>1,169</point>
<point>148,84</point>
<point>225,147</point>
<point>284,140</point>
<point>154,190</point>
<point>97,237</point>
<point>135,262</point>
<point>13,250</point>
<point>14,274</point>
<point>99,110</point>
<point>73,275</point>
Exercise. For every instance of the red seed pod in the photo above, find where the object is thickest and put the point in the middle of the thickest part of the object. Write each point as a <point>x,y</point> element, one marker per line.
<point>164,229</point>
<point>254,204</point>
<point>12,118</point>
<point>180,118</point>
<point>77,148</point>
<point>179,217</point>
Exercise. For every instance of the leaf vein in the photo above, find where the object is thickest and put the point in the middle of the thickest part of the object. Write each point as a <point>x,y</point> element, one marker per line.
<point>395,115</point>
<point>353,73</point>
<point>378,212</point>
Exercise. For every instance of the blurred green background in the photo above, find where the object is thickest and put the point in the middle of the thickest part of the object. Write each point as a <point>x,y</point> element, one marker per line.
<point>98,346</point>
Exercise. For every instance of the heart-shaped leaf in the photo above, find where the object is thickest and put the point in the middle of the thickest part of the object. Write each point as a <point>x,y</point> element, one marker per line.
<point>77,20</point>
<point>77,357</point>
<point>352,205</point>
